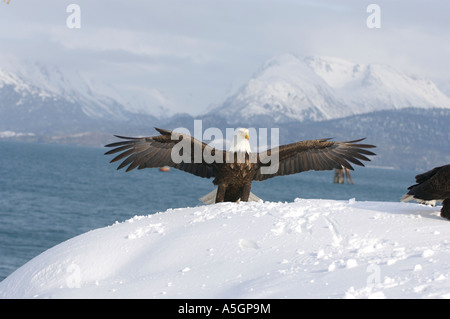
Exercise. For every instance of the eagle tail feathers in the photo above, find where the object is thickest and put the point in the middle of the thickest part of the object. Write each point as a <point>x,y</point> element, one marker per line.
<point>210,198</point>
<point>408,197</point>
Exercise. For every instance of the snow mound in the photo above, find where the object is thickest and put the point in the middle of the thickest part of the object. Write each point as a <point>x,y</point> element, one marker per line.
<point>305,249</point>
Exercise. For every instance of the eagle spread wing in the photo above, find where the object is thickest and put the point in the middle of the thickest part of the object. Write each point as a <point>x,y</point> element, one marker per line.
<point>156,151</point>
<point>320,154</point>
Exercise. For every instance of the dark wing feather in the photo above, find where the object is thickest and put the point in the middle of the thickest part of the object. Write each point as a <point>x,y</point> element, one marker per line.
<point>432,185</point>
<point>320,154</point>
<point>427,175</point>
<point>156,151</point>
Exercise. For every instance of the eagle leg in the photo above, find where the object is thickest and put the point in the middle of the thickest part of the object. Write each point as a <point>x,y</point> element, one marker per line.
<point>221,190</point>
<point>445,211</point>
<point>246,192</point>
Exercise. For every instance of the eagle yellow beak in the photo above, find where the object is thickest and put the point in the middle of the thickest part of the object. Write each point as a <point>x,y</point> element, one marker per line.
<point>246,136</point>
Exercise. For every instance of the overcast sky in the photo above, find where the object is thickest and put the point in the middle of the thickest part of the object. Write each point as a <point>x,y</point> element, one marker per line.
<point>189,55</point>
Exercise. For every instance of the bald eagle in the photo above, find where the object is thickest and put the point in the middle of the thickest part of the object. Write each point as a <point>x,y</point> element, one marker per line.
<point>432,186</point>
<point>235,170</point>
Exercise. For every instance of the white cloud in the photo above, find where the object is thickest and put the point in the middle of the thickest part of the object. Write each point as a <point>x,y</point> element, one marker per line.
<point>141,43</point>
<point>195,51</point>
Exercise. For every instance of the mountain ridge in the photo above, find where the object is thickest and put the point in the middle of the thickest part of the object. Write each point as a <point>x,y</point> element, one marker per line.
<point>408,137</point>
<point>44,100</point>
<point>288,88</point>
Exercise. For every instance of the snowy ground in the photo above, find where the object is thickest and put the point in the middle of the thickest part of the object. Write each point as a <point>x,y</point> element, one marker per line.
<point>305,249</point>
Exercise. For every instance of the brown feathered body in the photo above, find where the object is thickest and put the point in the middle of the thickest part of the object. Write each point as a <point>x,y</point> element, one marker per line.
<point>234,177</point>
<point>234,181</point>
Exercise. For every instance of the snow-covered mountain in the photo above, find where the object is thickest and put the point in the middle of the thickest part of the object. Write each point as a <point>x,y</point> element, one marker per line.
<point>289,88</point>
<point>391,109</point>
<point>40,99</point>
<point>49,83</point>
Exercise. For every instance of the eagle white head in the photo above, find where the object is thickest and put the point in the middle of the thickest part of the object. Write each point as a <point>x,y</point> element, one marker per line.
<point>240,141</point>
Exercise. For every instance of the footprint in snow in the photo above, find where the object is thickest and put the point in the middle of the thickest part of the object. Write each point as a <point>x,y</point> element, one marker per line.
<point>246,243</point>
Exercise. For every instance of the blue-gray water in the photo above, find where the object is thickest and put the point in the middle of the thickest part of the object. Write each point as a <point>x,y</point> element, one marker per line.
<point>50,193</point>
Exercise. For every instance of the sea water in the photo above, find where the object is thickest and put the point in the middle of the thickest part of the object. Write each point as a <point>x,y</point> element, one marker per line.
<point>50,193</point>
